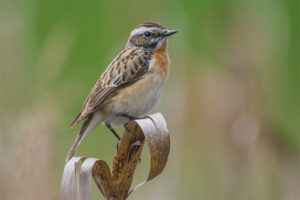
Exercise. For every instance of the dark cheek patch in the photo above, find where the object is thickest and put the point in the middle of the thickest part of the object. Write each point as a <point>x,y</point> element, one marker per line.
<point>140,40</point>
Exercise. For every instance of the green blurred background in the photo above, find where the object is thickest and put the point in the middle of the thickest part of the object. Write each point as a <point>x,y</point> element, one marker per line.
<point>231,102</point>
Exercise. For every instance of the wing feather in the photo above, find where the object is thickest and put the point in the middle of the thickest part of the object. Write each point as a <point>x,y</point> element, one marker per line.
<point>128,67</point>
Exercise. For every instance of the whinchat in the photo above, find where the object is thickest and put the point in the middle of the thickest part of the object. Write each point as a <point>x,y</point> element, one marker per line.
<point>131,85</point>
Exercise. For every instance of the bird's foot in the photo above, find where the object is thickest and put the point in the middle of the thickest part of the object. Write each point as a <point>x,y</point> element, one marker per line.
<point>125,126</point>
<point>130,118</point>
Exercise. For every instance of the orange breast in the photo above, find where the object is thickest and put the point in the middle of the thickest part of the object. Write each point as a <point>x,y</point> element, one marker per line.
<point>161,61</point>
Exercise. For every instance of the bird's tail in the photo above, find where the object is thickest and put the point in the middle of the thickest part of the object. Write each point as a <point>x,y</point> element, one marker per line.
<point>88,125</point>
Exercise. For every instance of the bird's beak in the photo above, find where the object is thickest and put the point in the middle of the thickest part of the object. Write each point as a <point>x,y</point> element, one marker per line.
<point>169,32</point>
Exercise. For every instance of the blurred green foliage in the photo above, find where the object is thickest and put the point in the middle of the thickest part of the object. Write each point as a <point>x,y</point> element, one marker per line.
<point>237,56</point>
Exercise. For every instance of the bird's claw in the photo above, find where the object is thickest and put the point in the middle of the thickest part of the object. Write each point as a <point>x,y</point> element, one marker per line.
<point>125,126</point>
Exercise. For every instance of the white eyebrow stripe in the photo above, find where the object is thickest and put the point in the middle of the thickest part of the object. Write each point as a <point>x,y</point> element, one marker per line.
<point>142,30</point>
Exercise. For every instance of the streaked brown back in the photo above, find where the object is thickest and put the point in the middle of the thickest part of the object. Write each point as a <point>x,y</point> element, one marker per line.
<point>128,67</point>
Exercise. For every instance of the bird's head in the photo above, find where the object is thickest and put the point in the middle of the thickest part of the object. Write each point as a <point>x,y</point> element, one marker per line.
<point>149,35</point>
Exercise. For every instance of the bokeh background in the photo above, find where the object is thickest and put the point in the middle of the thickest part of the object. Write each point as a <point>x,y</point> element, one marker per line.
<point>231,102</point>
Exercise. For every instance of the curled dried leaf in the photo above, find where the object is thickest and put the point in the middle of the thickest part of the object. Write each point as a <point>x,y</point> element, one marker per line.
<point>159,145</point>
<point>103,179</point>
<point>101,174</point>
<point>70,183</point>
<point>116,185</point>
<point>126,159</point>
<point>157,136</point>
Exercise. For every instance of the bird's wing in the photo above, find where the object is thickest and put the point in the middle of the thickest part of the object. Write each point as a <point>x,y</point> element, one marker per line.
<point>128,67</point>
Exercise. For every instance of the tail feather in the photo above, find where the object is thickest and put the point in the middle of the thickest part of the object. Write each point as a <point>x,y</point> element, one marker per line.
<point>89,124</point>
<point>80,136</point>
<point>77,120</point>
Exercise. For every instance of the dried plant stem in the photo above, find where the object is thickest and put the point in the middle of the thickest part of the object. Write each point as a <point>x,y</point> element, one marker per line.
<point>116,185</point>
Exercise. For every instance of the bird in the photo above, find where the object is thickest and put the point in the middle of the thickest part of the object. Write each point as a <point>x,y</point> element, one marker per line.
<point>131,85</point>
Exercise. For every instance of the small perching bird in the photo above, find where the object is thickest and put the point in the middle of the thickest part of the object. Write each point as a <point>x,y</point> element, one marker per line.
<point>131,85</point>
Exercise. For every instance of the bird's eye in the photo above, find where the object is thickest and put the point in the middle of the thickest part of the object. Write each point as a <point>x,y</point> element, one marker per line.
<point>147,34</point>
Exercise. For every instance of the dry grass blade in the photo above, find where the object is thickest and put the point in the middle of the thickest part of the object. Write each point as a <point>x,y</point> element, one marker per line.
<point>126,158</point>
<point>103,179</point>
<point>116,185</point>
<point>101,174</point>
<point>159,145</point>
<point>157,136</point>
<point>70,184</point>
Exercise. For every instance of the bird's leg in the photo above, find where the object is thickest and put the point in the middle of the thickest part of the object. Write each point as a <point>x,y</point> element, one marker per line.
<point>114,132</point>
